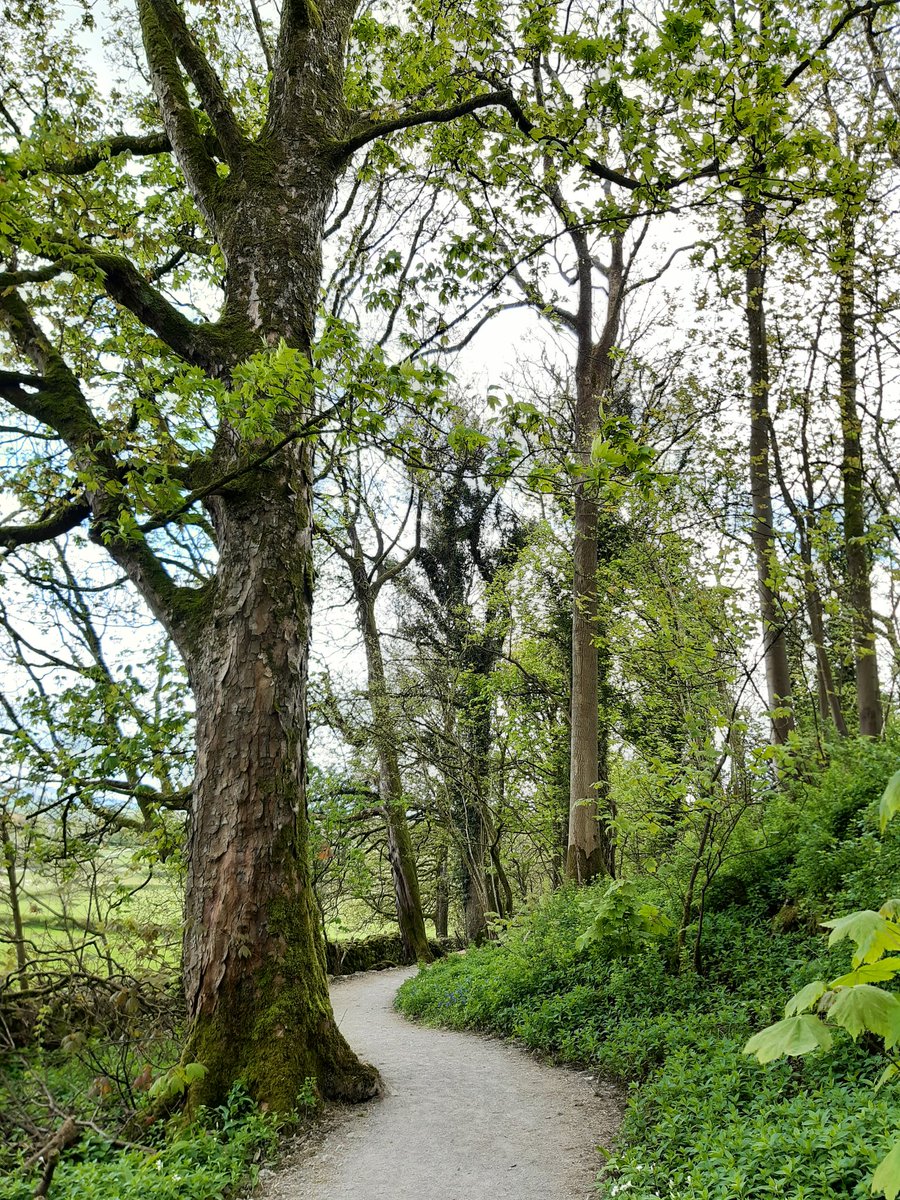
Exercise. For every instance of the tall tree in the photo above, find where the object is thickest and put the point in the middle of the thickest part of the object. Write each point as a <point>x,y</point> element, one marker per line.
<point>772,617</point>
<point>370,570</point>
<point>257,185</point>
<point>856,541</point>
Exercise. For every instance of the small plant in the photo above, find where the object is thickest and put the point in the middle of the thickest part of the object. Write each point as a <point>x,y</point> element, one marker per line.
<point>622,922</point>
<point>308,1095</point>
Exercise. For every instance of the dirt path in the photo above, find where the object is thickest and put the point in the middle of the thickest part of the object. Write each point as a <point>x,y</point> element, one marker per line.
<point>463,1118</point>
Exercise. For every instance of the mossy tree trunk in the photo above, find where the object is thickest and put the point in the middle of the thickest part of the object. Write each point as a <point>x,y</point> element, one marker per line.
<point>254,970</point>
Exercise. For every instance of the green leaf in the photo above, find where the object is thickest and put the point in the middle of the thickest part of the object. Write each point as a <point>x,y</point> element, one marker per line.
<point>890,800</point>
<point>886,1179</point>
<point>879,972</point>
<point>867,1009</point>
<point>891,1071</point>
<point>794,1035</point>
<point>805,998</point>
<point>194,1072</point>
<point>873,935</point>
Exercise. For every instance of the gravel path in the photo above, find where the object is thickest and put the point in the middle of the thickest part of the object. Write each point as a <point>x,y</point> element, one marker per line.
<point>463,1117</point>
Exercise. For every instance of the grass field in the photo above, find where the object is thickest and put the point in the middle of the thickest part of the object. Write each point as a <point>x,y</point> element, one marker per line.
<point>112,913</point>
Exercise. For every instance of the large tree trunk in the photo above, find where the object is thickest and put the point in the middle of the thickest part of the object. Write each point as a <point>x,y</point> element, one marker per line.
<point>390,784</point>
<point>856,551</point>
<point>778,677</point>
<point>254,965</point>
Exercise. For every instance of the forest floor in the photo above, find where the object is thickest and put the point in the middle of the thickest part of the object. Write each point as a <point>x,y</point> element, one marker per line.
<point>463,1117</point>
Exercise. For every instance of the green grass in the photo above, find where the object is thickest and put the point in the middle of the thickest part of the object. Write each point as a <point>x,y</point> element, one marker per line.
<point>111,911</point>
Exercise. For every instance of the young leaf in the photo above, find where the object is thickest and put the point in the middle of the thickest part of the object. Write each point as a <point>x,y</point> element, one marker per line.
<point>891,1071</point>
<point>873,935</point>
<point>795,1035</point>
<point>805,998</point>
<point>886,1179</point>
<point>877,972</point>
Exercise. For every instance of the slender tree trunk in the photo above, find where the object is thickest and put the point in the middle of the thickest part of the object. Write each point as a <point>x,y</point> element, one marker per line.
<point>400,848</point>
<point>14,881</point>
<point>473,855</point>
<point>778,678</point>
<point>442,896</point>
<point>829,701</point>
<point>856,551</point>
<point>593,379</point>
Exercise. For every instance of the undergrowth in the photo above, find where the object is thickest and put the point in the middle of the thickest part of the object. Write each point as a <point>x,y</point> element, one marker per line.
<point>703,1121</point>
<point>218,1153</point>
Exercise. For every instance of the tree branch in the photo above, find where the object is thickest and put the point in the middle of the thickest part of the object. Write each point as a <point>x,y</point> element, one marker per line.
<point>82,163</point>
<point>858,10</point>
<point>194,343</point>
<point>429,116</point>
<point>66,518</point>
<point>178,117</point>
<point>209,87</point>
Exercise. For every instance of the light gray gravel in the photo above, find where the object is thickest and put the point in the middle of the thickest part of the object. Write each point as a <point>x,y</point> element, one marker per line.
<point>463,1117</point>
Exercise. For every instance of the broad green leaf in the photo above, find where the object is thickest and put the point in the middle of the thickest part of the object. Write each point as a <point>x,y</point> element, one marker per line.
<point>884,969</point>
<point>873,935</point>
<point>805,998</point>
<point>891,909</point>
<point>886,1180</point>
<point>194,1072</point>
<point>794,1035</point>
<point>890,801</point>
<point>867,1009</point>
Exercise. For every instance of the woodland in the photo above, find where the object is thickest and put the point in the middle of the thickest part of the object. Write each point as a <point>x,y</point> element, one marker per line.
<point>450,515</point>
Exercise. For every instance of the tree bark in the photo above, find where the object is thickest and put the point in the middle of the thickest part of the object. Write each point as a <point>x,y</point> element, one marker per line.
<point>441,896</point>
<point>856,551</point>
<point>254,963</point>
<point>829,700</point>
<point>14,880</point>
<point>778,677</point>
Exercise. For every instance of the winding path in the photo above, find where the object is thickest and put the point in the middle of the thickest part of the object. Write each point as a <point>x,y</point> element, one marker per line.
<point>463,1117</point>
